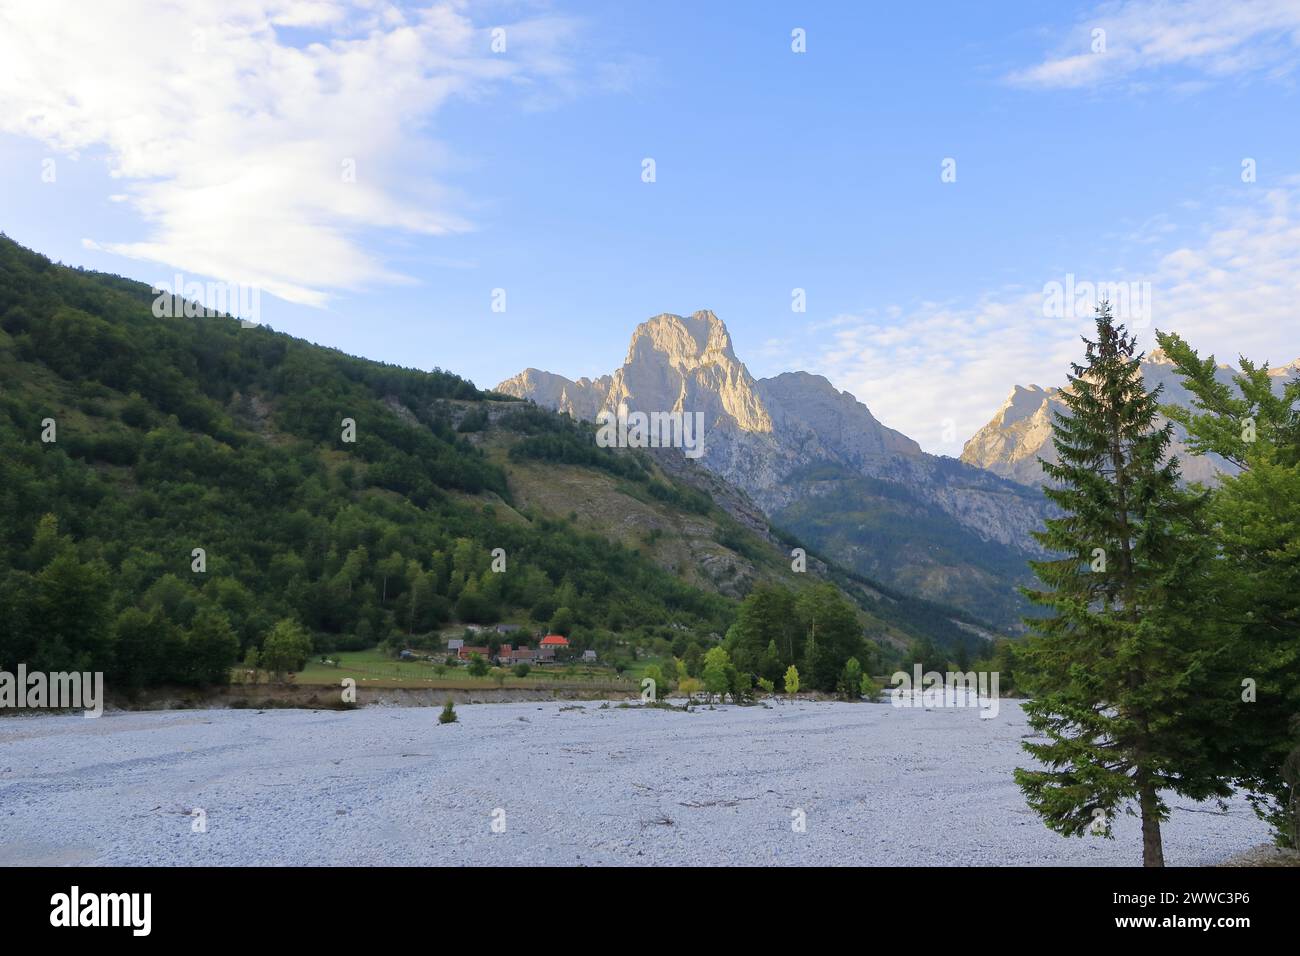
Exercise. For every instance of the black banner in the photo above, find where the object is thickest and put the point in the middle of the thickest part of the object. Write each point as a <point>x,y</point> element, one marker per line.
<point>305,904</point>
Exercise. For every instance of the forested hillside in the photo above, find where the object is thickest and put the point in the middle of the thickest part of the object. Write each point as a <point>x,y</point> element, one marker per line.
<point>170,489</point>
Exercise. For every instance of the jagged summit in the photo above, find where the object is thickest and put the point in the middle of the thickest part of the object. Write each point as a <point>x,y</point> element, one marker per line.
<point>688,341</point>
<point>1020,432</point>
<point>688,363</point>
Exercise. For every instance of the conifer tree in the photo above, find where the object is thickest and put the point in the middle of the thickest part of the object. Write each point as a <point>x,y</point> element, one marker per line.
<point>1118,668</point>
<point>1255,516</point>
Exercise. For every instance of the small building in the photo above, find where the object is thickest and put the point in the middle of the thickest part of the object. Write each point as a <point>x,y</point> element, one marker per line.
<point>455,644</point>
<point>589,656</point>
<point>509,628</point>
<point>516,655</point>
<point>550,645</point>
<point>465,652</point>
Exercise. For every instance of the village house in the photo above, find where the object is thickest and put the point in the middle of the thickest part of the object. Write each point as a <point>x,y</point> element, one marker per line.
<point>549,645</point>
<point>516,655</point>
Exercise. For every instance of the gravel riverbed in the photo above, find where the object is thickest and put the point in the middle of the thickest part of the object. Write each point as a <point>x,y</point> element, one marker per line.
<point>572,784</point>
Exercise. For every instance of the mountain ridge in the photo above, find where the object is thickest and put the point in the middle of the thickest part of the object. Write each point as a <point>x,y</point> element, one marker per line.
<point>1020,431</point>
<point>763,435</point>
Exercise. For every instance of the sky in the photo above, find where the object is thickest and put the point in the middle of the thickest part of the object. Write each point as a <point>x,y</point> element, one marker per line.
<point>466,185</point>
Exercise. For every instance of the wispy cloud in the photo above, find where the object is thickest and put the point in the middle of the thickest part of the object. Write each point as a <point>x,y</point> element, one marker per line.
<point>1134,41</point>
<point>938,371</point>
<point>264,142</point>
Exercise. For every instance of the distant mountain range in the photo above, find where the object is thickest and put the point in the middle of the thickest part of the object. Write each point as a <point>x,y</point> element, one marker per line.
<point>1020,433</point>
<point>822,466</point>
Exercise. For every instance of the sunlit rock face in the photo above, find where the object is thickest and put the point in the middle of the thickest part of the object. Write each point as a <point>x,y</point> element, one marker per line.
<point>1020,433</point>
<point>756,431</point>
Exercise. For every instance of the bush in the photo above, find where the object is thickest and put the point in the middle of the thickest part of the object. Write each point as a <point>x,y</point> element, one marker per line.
<point>521,669</point>
<point>448,715</point>
<point>850,683</point>
<point>792,680</point>
<point>739,684</point>
<point>870,688</point>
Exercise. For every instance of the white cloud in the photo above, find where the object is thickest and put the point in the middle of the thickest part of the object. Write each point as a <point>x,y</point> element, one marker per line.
<point>1213,38</point>
<point>230,124</point>
<point>937,368</point>
<point>1236,291</point>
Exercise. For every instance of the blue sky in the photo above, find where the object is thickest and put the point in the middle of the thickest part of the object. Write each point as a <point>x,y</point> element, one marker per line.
<point>521,170</point>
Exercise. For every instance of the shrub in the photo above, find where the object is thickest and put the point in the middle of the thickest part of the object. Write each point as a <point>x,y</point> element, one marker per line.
<point>870,688</point>
<point>448,715</point>
<point>739,684</point>
<point>792,680</point>
<point>850,683</point>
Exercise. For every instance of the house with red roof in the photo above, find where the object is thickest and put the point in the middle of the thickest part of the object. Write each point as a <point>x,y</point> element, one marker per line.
<point>550,644</point>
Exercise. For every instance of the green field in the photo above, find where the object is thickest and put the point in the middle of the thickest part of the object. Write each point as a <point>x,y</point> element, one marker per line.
<point>374,668</point>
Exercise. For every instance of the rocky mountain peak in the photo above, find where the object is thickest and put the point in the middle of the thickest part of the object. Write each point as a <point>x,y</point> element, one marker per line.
<point>684,341</point>
<point>1023,402</point>
<point>1020,432</point>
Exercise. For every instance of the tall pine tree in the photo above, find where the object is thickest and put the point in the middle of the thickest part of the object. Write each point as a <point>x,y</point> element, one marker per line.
<point>1118,670</point>
<point>1256,520</point>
